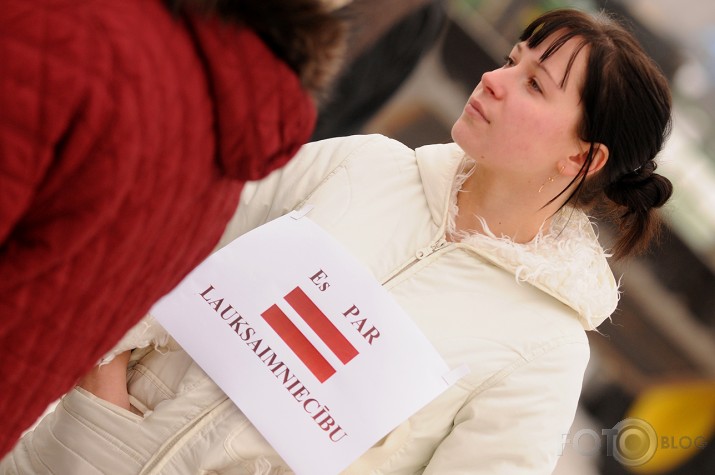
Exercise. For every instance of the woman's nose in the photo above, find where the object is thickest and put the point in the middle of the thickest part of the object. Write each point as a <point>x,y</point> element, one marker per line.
<point>493,83</point>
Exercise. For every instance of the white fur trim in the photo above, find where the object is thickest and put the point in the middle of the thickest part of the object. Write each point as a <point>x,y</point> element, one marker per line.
<point>566,261</point>
<point>148,332</point>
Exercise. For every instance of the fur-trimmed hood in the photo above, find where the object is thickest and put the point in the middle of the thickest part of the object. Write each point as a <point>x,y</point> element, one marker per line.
<point>566,261</point>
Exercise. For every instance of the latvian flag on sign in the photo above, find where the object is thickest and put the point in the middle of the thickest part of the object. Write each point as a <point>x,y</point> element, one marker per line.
<point>320,324</point>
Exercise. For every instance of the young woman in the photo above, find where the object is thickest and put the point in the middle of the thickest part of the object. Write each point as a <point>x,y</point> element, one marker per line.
<point>484,242</point>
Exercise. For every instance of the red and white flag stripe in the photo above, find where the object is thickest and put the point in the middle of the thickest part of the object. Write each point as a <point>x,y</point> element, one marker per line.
<point>320,324</point>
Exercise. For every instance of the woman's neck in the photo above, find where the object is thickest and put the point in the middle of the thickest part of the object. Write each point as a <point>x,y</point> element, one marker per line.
<point>514,210</point>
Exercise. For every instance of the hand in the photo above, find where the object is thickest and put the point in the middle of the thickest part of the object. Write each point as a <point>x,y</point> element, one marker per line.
<point>109,381</point>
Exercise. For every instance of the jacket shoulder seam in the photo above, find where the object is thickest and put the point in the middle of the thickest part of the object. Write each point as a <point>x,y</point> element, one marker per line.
<point>341,164</point>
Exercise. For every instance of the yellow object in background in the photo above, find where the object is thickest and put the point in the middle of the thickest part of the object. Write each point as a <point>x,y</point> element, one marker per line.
<point>682,418</point>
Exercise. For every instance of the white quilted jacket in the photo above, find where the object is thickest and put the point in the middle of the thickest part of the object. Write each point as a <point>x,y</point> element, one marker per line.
<point>515,313</point>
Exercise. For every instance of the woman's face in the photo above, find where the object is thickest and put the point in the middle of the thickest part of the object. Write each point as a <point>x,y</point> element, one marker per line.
<point>519,119</point>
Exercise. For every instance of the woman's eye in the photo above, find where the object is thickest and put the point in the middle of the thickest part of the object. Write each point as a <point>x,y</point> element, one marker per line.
<point>534,85</point>
<point>508,61</point>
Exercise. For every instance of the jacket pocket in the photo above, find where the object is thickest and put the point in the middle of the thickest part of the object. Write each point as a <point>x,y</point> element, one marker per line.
<point>160,376</point>
<point>83,436</point>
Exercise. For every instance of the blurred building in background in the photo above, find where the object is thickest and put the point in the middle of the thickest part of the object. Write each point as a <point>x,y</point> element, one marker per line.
<point>655,362</point>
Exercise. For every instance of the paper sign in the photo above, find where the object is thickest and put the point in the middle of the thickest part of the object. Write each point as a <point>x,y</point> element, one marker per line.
<point>305,342</point>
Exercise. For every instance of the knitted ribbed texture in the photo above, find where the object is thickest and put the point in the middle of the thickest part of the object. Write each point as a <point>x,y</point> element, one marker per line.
<point>125,135</point>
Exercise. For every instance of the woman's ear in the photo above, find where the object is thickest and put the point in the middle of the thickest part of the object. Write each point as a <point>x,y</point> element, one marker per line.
<point>572,165</point>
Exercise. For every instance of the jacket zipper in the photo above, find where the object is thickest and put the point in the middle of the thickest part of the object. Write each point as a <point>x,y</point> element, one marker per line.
<point>425,252</point>
<point>420,254</point>
<point>431,249</point>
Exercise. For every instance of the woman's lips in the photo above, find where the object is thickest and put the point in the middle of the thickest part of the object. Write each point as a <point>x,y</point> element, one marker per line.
<point>475,108</point>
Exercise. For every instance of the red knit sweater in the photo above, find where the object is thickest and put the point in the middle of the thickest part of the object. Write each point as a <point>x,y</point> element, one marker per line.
<point>125,135</point>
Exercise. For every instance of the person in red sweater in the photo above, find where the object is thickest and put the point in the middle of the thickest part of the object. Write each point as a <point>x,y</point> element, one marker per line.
<point>126,132</point>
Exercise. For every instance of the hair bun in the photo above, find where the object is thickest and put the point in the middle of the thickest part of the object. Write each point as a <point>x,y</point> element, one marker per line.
<point>641,190</point>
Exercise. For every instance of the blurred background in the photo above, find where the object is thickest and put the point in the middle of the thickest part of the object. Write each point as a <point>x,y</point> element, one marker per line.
<point>648,404</point>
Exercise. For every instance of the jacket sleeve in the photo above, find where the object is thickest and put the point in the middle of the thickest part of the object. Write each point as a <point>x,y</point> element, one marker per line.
<point>519,424</point>
<point>288,188</point>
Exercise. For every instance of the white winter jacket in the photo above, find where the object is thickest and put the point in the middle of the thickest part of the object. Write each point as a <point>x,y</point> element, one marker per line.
<point>515,313</point>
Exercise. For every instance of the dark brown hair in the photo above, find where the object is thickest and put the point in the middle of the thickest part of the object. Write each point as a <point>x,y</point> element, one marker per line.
<point>627,107</point>
<point>308,37</point>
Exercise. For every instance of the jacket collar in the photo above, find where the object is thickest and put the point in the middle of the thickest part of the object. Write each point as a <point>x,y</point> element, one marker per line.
<point>565,261</point>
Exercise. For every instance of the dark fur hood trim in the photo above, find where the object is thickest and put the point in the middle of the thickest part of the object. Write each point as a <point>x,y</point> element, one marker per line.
<point>304,33</point>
